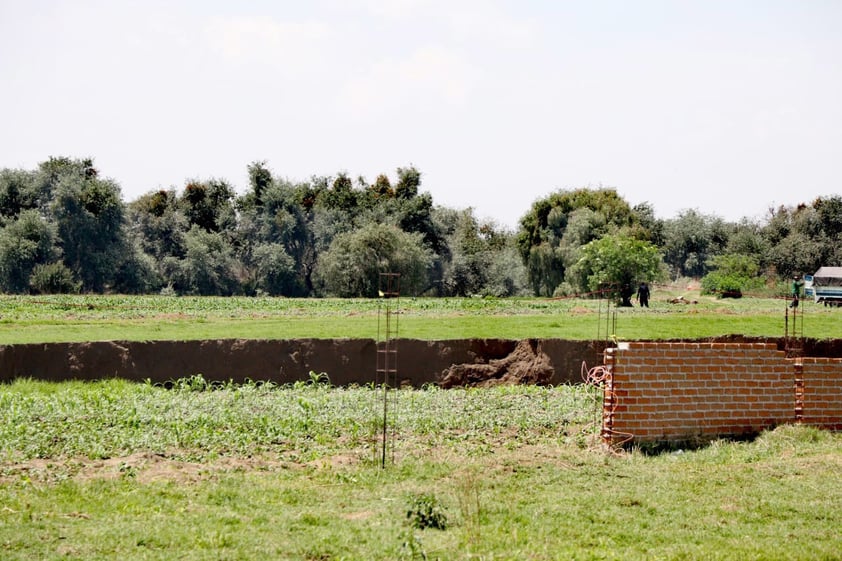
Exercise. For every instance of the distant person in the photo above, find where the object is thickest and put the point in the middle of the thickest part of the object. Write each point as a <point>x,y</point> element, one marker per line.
<point>797,283</point>
<point>643,295</point>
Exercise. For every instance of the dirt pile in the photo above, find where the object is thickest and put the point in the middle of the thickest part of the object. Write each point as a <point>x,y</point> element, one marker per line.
<point>526,364</point>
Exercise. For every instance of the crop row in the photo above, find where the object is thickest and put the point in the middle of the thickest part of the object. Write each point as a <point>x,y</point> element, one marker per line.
<point>116,418</point>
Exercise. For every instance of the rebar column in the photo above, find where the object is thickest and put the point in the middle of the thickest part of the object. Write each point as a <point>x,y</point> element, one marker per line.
<point>387,354</point>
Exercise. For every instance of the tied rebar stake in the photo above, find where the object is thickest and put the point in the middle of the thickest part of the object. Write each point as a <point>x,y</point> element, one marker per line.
<point>387,358</point>
<point>794,329</point>
<point>794,347</point>
<point>601,375</point>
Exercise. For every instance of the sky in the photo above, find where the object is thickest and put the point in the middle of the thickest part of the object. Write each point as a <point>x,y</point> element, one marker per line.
<point>728,107</point>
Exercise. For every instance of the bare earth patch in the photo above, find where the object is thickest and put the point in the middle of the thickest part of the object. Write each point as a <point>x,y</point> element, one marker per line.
<point>145,467</point>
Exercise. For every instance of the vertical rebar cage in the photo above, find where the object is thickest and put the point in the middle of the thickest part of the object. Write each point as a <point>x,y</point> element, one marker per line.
<point>794,348</point>
<point>794,330</point>
<point>387,359</point>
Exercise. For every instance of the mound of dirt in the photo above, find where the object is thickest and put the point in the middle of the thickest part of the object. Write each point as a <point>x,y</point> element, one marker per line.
<point>526,364</point>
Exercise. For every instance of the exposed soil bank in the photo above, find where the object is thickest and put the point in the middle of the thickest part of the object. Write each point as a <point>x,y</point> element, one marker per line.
<point>345,361</point>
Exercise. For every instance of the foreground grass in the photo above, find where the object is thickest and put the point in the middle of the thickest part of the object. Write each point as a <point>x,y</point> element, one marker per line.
<point>115,470</point>
<point>26,319</point>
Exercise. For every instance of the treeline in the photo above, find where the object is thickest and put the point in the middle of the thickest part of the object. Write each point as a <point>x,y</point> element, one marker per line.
<point>588,239</point>
<point>65,228</point>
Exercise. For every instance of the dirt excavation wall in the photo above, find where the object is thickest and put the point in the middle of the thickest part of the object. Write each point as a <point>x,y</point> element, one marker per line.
<point>662,391</point>
<point>345,361</point>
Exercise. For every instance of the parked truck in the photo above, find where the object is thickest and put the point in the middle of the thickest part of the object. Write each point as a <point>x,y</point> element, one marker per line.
<point>825,286</point>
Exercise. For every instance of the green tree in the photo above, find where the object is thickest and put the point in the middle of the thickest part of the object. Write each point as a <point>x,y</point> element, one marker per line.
<point>287,218</point>
<point>464,272</point>
<point>829,216</point>
<point>209,205</point>
<point>16,192</point>
<point>691,241</point>
<point>542,229</point>
<point>796,254</point>
<point>829,211</point>
<point>646,226</point>
<point>747,239</point>
<point>158,223</point>
<point>409,182</point>
<point>353,263</point>
<point>803,238</point>
<point>260,179</point>
<point>481,258</point>
<point>415,215</point>
<point>275,270</point>
<point>53,278</point>
<point>51,173</point>
<point>24,243</point>
<point>209,267</point>
<point>583,226</point>
<point>89,214</point>
<point>340,196</point>
<point>506,273</point>
<point>138,272</point>
<point>381,189</point>
<point>617,263</point>
<point>34,190</point>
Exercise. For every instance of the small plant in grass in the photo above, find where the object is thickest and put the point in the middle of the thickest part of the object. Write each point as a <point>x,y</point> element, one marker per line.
<point>470,506</point>
<point>411,547</point>
<point>127,470</point>
<point>319,378</point>
<point>424,511</point>
<point>195,383</point>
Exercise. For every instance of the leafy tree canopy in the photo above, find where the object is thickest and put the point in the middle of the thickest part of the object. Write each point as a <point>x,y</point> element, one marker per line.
<point>352,265</point>
<point>691,240</point>
<point>617,263</point>
<point>543,228</point>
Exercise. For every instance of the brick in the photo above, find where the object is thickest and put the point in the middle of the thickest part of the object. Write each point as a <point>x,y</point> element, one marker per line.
<point>678,389</point>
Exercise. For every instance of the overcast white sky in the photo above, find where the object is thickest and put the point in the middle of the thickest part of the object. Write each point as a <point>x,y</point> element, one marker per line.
<point>725,106</point>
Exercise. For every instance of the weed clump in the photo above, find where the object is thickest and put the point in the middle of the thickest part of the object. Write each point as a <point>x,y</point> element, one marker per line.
<point>425,511</point>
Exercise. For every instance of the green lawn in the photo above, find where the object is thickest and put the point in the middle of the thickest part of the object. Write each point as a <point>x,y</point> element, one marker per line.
<point>124,471</point>
<point>27,319</point>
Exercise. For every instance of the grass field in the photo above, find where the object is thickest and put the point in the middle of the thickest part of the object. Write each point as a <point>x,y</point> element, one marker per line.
<point>116,470</point>
<point>27,319</point>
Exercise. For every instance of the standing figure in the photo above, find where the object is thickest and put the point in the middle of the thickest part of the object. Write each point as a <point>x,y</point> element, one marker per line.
<point>797,283</point>
<point>643,295</point>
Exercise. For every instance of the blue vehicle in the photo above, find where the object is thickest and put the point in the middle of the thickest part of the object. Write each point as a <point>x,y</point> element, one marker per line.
<point>826,286</point>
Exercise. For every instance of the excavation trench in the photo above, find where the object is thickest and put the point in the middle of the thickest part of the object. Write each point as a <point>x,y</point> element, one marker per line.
<point>471,362</point>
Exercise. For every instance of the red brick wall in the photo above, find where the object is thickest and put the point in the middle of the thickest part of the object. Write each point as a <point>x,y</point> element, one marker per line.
<point>682,391</point>
<point>822,405</point>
